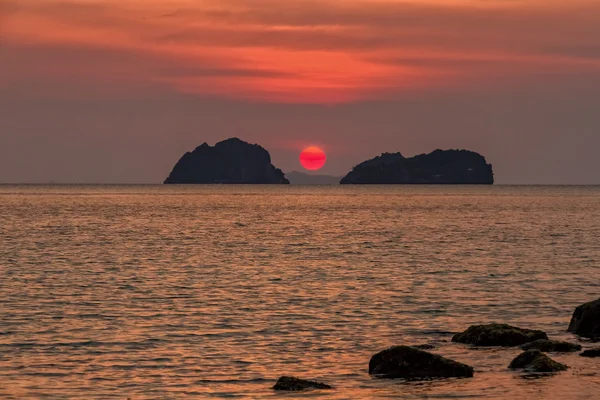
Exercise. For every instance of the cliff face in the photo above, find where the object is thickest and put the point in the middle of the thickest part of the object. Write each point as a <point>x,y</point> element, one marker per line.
<point>231,161</point>
<point>438,167</point>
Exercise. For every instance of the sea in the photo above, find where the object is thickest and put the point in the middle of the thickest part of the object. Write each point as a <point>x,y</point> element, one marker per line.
<point>168,292</point>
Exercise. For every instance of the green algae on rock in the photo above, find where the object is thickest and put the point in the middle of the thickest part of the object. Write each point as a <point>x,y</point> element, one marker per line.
<point>498,335</point>
<point>407,362</point>
<point>536,361</point>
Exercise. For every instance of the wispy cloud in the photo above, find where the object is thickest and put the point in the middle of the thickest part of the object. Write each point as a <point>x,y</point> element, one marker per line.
<point>301,50</point>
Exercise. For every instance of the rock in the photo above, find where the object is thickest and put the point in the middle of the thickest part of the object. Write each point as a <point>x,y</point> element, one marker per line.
<point>592,353</point>
<point>536,361</point>
<point>230,161</point>
<point>293,384</point>
<point>551,346</point>
<point>498,335</point>
<point>411,363</point>
<point>425,347</point>
<point>586,320</point>
<point>438,167</point>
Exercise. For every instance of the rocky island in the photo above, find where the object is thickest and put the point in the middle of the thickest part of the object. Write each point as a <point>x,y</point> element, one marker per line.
<point>231,161</point>
<point>438,167</point>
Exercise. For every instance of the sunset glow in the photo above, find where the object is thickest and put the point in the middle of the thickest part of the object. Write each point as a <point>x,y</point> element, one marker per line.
<point>299,51</point>
<point>306,198</point>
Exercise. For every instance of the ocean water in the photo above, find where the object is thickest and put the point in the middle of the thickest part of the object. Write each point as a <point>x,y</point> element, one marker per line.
<point>152,292</point>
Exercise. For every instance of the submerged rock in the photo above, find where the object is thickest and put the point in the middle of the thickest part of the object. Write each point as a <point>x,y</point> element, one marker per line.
<point>293,384</point>
<point>586,320</point>
<point>536,361</point>
<point>438,167</point>
<point>425,347</point>
<point>411,363</point>
<point>592,353</point>
<point>230,161</point>
<point>498,335</point>
<point>551,346</point>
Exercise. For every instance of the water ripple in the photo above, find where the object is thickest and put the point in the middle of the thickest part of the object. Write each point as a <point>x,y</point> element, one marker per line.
<point>167,292</point>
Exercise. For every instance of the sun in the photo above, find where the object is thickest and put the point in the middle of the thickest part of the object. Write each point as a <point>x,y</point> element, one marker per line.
<point>313,158</point>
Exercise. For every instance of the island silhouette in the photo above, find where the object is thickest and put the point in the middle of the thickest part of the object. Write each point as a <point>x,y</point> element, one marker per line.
<point>234,161</point>
<point>231,161</point>
<point>438,167</point>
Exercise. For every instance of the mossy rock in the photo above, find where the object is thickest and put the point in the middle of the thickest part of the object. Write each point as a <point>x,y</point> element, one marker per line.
<point>498,335</point>
<point>405,362</point>
<point>536,361</point>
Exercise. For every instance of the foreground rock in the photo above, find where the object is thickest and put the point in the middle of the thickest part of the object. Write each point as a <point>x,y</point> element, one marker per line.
<point>536,361</point>
<point>586,320</point>
<point>292,384</point>
<point>592,353</point>
<point>498,335</point>
<point>551,346</point>
<point>438,167</point>
<point>411,363</point>
<point>229,161</point>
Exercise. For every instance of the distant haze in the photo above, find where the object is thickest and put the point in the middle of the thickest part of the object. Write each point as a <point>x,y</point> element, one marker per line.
<point>303,178</point>
<point>107,91</point>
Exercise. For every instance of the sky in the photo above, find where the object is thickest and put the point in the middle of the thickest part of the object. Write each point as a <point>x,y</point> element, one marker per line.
<point>115,91</point>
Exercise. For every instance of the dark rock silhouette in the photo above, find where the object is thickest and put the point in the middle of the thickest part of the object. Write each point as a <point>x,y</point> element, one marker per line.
<point>292,384</point>
<point>438,167</point>
<point>551,346</point>
<point>498,335</point>
<point>536,361</point>
<point>230,161</point>
<point>592,353</point>
<point>586,320</point>
<point>301,178</point>
<point>411,363</point>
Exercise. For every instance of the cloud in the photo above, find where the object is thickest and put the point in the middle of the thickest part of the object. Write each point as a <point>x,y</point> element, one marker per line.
<point>306,51</point>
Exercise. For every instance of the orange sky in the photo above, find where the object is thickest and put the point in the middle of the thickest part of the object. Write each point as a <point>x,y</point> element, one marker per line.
<point>300,51</point>
<point>116,90</point>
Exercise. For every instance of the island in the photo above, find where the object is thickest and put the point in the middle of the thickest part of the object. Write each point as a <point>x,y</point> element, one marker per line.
<point>301,178</point>
<point>439,167</point>
<point>231,161</point>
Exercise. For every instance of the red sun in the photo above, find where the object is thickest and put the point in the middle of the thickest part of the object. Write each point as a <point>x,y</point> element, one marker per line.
<point>312,158</point>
